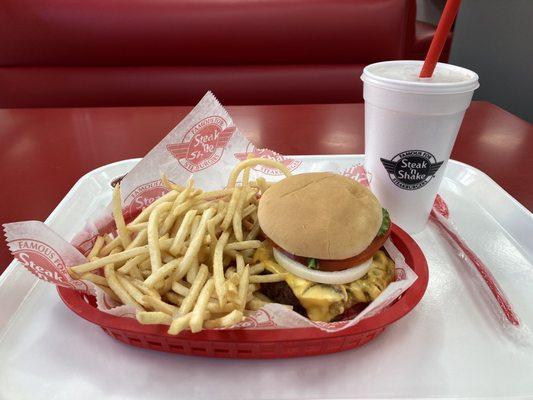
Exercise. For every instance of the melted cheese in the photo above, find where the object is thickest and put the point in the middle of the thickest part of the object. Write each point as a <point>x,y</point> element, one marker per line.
<point>324,302</point>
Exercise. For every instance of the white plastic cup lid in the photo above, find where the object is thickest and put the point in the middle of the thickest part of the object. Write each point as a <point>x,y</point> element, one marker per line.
<point>464,80</point>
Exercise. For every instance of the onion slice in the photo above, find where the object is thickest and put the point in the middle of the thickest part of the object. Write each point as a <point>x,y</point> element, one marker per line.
<point>331,278</point>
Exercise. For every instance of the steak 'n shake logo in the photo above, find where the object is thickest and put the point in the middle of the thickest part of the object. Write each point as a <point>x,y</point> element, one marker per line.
<point>203,145</point>
<point>411,169</point>
<point>44,262</point>
<point>144,195</point>
<point>290,163</point>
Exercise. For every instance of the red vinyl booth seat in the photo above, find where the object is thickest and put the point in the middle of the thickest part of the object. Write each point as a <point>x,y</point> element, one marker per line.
<point>56,53</point>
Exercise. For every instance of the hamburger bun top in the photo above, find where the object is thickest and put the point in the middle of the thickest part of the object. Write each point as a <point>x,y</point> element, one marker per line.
<point>320,215</point>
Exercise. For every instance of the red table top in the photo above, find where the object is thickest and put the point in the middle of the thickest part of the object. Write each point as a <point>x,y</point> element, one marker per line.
<point>43,152</point>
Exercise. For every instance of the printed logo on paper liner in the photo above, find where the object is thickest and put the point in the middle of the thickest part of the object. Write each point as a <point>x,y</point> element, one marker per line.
<point>203,145</point>
<point>144,195</point>
<point>259,319</point>
<point>270,155</point>
<point>411,169</point>
<point>358,173</point>
<point>44,262</point>
<point>331,325</point>
<point>400,274</point>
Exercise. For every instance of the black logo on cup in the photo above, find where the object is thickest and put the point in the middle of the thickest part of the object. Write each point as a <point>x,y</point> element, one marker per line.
<point>411,169</point>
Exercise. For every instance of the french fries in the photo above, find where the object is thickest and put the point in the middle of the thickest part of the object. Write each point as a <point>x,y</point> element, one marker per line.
<point>153,317</point>
<point>192,295</point>
<point>118,289</point>
<point>163,272</point>
<point>243,288</point>
<point>253,162</point>
<point>132,290</point>
<point>183,231</point>
<point>179,324</point>
<point>131,263</point>
<point>231,319</point>
<point>218,268</point>
<point>98,244</point>
<point>153,235</point>
<point>110,246</point>
<point>237,216</point>
<point>270,278</point>
<point>159,305</point>
<point>244,245</point>
<point>122,230</point>
<point>194,245</point>
<point>140,240</point>
<point>197,317</point>
<point>99,280</point>
<point>186,260</point>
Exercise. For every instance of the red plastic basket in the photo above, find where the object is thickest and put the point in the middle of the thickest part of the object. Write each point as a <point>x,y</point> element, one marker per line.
<point>270,343</point>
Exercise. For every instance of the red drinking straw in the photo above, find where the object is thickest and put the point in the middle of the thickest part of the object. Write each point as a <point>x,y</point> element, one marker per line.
<point>439,39</point>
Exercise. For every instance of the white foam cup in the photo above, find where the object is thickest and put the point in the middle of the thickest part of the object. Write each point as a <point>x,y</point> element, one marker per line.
<point>410,127</point>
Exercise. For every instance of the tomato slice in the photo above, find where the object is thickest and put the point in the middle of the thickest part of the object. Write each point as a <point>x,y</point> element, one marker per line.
<point>339,265</point>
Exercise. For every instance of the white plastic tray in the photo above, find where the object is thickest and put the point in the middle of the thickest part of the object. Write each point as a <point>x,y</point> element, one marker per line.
<point>449,346</point>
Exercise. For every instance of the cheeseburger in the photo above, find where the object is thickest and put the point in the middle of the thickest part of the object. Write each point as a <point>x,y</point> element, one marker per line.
<point>325,232</point>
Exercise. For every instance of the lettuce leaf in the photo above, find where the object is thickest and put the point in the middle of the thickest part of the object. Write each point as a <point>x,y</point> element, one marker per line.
<point>385,223</point>
<point>312,263</point>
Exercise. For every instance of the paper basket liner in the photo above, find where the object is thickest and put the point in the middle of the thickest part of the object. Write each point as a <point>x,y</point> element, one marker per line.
<point>206,145</point>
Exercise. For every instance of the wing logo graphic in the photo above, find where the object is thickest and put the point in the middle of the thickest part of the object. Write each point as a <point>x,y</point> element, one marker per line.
<point>411,169</point>
<point>203,145</point>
